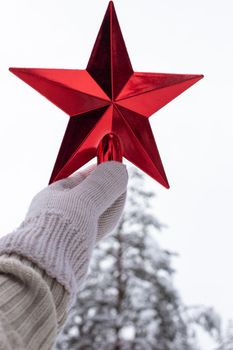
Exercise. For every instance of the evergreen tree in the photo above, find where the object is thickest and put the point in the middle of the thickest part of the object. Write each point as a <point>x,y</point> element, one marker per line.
<point>129,301</point>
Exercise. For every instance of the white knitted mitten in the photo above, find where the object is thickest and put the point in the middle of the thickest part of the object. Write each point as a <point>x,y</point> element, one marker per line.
<point>66,219</point>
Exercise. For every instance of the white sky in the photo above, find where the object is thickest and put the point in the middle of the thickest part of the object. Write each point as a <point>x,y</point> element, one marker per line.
<point>193,133</point>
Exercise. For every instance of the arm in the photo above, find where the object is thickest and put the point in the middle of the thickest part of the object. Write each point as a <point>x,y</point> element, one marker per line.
<point>45,262</point>
<point>32,305</point>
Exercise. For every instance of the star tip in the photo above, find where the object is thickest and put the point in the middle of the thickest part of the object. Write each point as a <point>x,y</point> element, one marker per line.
<point>165,183</point>
<point>195,78</point>
<point>51,180</point>
<point>111,4</point>
<point>199,76</point>
<point>14,70</point>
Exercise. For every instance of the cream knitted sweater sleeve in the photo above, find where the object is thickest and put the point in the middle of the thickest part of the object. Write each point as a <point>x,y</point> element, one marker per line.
<point>45,261</point>
<point>33,305</point>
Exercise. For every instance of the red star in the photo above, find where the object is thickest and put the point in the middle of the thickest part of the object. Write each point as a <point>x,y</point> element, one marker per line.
<point>108,96</point>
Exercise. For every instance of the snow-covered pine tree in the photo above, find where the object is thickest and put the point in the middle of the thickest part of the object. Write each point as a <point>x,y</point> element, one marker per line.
<point>129,300</point>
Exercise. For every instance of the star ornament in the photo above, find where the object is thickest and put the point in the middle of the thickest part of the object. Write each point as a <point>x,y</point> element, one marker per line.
<point>108,97</point>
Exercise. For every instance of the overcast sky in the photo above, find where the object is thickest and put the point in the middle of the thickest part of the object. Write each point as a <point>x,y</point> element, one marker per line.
<point>193,133</point>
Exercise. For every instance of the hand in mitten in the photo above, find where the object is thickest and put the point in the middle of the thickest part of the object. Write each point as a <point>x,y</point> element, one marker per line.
<point>66,219</point>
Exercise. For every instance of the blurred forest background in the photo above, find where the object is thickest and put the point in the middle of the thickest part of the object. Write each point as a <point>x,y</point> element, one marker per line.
<point>129,301</point>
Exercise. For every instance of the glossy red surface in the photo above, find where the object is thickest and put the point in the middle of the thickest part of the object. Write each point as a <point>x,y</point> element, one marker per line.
<point>107,97</point>
<point>109,149</point>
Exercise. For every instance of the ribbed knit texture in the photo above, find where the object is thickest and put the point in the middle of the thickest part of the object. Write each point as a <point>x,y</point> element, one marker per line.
<point>61,227</point>
<point>32,305</point>
<point>45,261</point>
